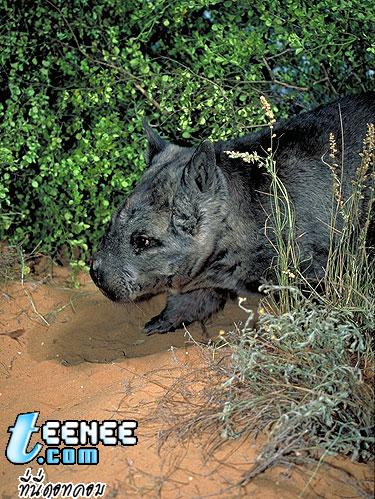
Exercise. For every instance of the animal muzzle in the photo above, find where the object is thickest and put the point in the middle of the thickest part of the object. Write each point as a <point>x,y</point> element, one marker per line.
<point>100,276</point>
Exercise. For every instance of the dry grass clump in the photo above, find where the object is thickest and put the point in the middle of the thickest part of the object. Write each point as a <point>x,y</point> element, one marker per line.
<point>306,376</point>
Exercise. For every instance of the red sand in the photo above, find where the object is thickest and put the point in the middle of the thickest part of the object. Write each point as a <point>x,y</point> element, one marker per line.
<point>71,354</point>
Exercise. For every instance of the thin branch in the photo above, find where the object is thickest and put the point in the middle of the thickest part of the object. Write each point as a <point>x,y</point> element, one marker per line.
<point>278,82</point>
<point>286,51</point>
<point>328,79</point>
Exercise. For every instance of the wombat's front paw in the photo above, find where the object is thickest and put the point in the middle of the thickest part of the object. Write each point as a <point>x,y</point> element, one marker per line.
<point>159,325</point>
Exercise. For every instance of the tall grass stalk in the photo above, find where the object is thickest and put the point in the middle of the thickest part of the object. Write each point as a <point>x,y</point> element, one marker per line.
<point>282,225</point>
<point>349,280</point>
<point>282,221</point>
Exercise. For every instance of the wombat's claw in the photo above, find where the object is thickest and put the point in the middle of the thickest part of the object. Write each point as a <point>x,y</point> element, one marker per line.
<point>158,325</point>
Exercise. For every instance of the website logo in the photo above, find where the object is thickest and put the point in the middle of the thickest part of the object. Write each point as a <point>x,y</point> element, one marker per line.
<point>65,442</point>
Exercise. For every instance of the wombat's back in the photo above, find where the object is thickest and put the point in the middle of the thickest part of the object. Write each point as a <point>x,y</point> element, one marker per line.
<point>306,136</point>
<point>302,148</point>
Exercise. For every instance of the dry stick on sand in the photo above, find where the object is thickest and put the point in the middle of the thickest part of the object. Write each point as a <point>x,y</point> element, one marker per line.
<point>28,294</point>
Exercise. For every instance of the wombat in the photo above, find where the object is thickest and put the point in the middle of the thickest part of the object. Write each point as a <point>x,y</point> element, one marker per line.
<point>194,225</point>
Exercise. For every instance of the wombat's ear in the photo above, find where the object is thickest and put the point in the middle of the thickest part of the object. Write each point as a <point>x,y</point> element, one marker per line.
<point>202,171</point>
<point>155,143</point>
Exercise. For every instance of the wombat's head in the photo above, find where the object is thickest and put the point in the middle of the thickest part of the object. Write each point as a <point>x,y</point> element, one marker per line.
<point>165,233</point>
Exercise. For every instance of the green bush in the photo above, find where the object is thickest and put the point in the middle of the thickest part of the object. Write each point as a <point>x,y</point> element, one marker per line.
<point>78,77</point>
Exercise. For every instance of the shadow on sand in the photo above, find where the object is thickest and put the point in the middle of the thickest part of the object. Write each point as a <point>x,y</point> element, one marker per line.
<point>92,329</point>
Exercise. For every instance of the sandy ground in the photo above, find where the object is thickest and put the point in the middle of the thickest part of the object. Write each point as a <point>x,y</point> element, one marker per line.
<point>71,354</point>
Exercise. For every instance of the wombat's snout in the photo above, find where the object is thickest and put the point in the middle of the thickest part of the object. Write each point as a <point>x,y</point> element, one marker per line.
<point>95,263</point>
<point>98,275</point>
<point>96,271</point>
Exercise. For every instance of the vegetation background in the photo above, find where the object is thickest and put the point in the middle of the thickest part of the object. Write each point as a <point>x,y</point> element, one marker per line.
<point>78,77</point>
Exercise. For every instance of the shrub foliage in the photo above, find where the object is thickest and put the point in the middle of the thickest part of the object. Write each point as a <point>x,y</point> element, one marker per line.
<point>77,78</point>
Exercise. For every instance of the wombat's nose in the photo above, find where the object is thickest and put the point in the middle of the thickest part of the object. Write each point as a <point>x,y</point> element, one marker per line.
<point>96,262</point>
<point>96,265</point>
<point>101,276</point>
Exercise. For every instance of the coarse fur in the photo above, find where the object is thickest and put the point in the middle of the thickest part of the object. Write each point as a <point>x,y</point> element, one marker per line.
<point>194,225</point>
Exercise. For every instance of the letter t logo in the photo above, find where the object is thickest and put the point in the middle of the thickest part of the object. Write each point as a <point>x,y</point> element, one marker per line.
<point>24,426</point>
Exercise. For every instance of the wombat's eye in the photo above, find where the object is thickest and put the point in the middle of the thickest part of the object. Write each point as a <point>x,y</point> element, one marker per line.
<point>140,242</point>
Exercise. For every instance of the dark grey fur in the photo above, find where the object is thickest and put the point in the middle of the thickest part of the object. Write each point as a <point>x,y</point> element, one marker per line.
<point>202,214</point>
